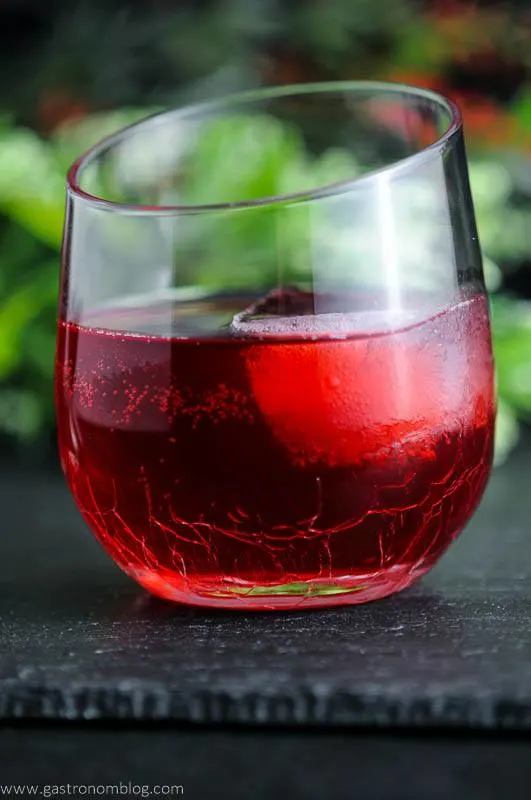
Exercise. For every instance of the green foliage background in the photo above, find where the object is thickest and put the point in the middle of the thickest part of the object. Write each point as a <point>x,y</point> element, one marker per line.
<point>171,57</point>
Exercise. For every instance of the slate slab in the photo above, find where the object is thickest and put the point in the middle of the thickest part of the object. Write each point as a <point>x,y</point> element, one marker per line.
<point>79,641</point>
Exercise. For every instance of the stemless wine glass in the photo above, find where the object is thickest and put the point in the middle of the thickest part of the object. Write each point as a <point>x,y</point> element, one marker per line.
<point>274,373</point>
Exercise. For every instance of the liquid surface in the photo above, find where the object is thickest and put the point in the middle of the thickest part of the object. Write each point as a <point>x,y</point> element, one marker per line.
<point>259,460</point>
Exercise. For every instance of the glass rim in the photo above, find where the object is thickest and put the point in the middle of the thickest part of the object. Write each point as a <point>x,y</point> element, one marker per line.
<point>338,187</point>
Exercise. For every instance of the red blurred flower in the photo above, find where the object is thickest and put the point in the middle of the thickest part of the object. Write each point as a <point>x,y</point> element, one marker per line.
<point>57,107</point>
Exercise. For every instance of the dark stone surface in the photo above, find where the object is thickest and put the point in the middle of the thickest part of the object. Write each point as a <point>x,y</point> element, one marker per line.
<point>266,764</point>
<point>79,641</point>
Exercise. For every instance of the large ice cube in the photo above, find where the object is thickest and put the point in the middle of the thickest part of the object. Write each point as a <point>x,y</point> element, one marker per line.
<point>291,313</point>
<point>342,388</point>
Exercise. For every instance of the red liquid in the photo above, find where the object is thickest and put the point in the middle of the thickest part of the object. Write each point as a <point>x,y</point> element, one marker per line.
<point>270,472</point>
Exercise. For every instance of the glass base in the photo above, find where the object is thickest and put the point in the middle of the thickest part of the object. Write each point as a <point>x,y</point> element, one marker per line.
<point>310,593</point>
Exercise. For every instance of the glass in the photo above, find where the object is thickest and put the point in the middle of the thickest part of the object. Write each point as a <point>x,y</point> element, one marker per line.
<point>274,372</point>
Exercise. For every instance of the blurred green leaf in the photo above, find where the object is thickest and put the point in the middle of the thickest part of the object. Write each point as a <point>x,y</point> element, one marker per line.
<point>335,31</point>
<point>512,347</point>
<point>521,108</point>
<point>248,157</point>
<point>21,413</point>
<point>240,157</point>
<point>507,433</point>
<point>505,232</point>
<point>493,274</point>
<point>33,170</point>
<point>22,305</point>
<point>72,139</point>
<point>421,46</point>
<point>31,185</point>
<point>16,312</point>
<point>43,219</point>
<point>491,184</point>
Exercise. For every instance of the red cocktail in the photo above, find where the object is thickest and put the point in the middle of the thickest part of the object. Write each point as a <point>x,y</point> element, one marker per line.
<point>276,402</point>
<point>276,465</point>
